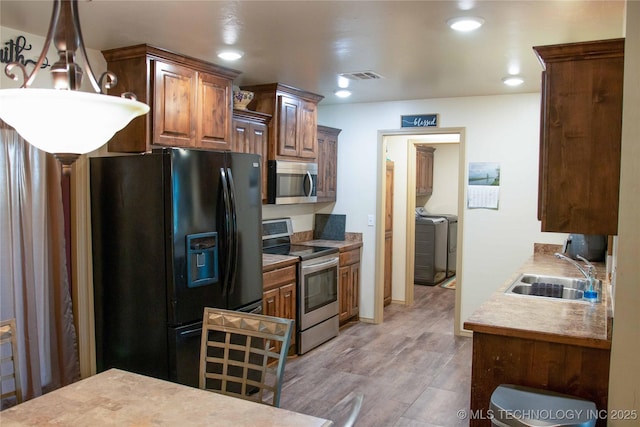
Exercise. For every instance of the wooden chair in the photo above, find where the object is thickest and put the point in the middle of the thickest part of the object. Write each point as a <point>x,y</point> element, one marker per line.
<point>238,356</point>
<point>9,359</point>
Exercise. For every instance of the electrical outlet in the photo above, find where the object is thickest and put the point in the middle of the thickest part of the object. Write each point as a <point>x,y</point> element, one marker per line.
<point>371,220</point>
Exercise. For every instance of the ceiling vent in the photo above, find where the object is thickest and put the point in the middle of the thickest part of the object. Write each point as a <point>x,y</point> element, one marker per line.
<point>362,75</point>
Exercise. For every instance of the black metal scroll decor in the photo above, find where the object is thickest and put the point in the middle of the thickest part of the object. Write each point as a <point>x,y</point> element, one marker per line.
<point>13,52</point>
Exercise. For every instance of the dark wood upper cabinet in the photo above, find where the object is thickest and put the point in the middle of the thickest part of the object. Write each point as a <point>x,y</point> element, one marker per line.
<point>293,128</point>
<point>424,170</point>
<point>250,135</point>
<point>190,99</point>
<point>327,183</point>
<point>581,126</point>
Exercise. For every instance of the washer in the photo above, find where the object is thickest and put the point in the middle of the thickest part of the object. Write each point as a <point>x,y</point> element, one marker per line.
<point>430,266</point>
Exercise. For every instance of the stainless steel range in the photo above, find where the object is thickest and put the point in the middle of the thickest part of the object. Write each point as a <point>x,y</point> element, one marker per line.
<point>317,305</point>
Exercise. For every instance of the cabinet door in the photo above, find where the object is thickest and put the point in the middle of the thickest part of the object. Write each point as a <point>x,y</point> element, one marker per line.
<point>424,172</point>
<point>388,248</point>
<point>249,137</point>
<point>241,136</point>
<point>354,304</point>
<point>308,130</point>
<point>344,292</point>
<point>287,126</point>
<point>388,218</point>
<point>288,301</point>
<point>327,167</point>
<point>252,138</point>
<point>581,136</point>
<point>214,112</point>
<point>174,118</point>
<point>271,302</point>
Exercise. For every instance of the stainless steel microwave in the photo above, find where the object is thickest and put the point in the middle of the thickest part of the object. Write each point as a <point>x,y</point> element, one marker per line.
<point>291,182</point>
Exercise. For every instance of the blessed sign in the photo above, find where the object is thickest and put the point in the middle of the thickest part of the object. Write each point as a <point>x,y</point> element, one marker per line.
<point>420,120</point>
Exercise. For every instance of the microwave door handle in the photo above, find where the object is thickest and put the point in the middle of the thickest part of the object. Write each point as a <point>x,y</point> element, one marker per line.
<point>310,184</point>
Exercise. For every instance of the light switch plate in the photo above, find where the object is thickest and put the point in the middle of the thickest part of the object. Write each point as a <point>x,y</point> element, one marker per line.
<point>371,220</point>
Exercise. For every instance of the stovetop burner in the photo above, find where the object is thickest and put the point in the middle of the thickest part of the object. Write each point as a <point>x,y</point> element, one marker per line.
<point>301,251</point>
<point>276,240</point>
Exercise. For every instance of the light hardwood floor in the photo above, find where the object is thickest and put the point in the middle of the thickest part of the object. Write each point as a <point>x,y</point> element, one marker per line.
<point>411,368</point>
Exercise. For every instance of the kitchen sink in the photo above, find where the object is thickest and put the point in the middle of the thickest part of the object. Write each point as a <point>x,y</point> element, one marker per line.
<point>535,285</point>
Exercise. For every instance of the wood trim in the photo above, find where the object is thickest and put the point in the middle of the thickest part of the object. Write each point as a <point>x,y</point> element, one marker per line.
<point>285,89</point>
<point>82,266</point>
<point>155,53</point>
<point>612,48</point>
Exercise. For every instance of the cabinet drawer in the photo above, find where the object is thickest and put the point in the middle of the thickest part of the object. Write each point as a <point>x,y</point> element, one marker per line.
<point>278,277</point>
<point>350,257</point>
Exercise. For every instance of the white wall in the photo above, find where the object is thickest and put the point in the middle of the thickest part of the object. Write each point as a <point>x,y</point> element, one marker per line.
<point>43,79</point>
<point>502,129</point>
<point>624,384</point>
<point>444,199</point>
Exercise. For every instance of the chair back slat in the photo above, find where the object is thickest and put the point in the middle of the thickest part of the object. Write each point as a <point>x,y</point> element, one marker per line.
<point>237,354</point>
<point>10,387</point>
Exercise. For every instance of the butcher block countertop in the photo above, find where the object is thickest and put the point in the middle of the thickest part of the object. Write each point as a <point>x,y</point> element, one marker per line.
<point>546,319</point>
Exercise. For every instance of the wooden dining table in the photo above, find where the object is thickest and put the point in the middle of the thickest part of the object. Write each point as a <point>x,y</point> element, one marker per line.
<point>121,398</point>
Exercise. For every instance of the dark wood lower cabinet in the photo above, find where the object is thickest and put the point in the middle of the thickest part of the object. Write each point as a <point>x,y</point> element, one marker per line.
<point>279,295</point>
<point>349,285</point>
<point>569,369</point>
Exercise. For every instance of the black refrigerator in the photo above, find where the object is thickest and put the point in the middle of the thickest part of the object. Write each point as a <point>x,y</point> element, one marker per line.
<point>173,231</point>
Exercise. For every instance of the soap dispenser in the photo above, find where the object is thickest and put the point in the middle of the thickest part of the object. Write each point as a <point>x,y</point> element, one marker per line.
<point>592,293</point>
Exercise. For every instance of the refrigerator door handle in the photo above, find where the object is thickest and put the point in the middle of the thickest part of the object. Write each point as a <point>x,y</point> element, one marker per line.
<point>191,332</point>
<point>227,227</point>
<point>234,234</point>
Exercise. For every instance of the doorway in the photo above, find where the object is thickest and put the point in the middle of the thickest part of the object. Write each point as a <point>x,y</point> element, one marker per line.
<point>400,146</point>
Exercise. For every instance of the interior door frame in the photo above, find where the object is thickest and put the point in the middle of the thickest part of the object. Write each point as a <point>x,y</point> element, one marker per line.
<point>410,223</point>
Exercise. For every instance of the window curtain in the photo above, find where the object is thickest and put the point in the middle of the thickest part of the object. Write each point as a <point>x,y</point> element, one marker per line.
<point>34,284</point>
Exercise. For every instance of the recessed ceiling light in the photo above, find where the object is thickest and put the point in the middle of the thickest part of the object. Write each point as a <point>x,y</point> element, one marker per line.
<point>343,82</point>
<point>513,80</point>
<point>230,55</point>
<point>342,93</point>
<point>465,23</point>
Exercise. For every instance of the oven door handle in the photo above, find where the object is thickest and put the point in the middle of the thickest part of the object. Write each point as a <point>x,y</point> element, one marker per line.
<point>311,268</point>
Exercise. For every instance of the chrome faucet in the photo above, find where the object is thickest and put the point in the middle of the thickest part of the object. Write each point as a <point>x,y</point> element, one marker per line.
<point>588,273</point>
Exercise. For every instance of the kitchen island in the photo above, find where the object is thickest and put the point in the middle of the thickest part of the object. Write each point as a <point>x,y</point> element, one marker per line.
<point>546,343</point>
<point>120,398</point>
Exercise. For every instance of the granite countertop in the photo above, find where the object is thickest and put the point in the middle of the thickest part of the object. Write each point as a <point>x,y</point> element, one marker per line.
<point>120,398</point>
<point>342,245</point>
<point>271,262</point>
<point>546,319</point>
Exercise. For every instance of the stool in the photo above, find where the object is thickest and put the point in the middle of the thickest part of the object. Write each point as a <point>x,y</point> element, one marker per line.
<point>518,406</point>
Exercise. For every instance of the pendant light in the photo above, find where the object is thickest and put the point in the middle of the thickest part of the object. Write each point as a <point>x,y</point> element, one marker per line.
<point>65,121</point>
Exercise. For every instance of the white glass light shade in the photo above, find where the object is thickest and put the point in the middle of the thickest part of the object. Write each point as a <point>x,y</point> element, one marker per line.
<point>67,121</point>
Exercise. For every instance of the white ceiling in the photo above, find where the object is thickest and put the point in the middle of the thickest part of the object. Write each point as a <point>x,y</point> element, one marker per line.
<point>307,43</point>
